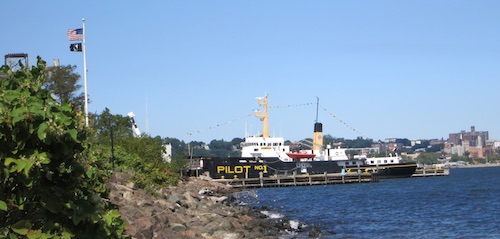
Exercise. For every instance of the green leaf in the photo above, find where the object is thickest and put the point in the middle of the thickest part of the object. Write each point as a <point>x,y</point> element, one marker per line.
<point>12,236</point>
<point>8,161</point>
<point>34,234</point>
<point>3,206</point>
<point>11,95</point>
<point>21,227</point>
<point>42,134</point>
<point>43,158</point>
<point>18,114</point>
<point>27,168</point>
<point>67,234</point>
<point>73,133</point>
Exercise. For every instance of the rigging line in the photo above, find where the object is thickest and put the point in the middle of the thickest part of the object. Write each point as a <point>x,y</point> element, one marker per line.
<point>290,106</point>
<point>245,116</point>
<point>341,121</point>
<point>219,125</point>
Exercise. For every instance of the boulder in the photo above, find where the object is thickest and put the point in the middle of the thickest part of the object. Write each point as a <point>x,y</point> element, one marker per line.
<point>196,208</point>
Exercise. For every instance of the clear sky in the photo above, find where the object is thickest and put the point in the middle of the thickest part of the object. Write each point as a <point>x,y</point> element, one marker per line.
<point>416,69</point>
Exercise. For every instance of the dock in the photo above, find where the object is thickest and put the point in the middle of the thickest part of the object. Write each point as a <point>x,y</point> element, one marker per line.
<point>431,172</point>
<point>300,180</point>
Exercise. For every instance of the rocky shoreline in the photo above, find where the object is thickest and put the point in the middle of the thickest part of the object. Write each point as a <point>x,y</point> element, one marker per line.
<point>196,208</point>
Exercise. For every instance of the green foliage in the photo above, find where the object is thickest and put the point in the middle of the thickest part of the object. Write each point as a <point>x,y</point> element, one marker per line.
<point>428,158</point>
<point>423,145</point>
<point>435,148</point>
<point>179,148</point>
<point>404,142</point>
<point>103,123</point>
<point>142,155</point>
<point>62,82</point>
<point>348,143</point>
<point>51,184</point>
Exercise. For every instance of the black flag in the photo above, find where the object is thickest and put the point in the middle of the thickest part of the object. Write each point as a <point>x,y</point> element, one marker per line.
<point>75,47</point>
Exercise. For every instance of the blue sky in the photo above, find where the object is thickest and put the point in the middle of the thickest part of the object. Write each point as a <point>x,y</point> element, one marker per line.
<point>407,69</point>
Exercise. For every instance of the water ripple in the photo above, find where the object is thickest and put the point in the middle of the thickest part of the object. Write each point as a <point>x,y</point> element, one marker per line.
<point>463,205</point>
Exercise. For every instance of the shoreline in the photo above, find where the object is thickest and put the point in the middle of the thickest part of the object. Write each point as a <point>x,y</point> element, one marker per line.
<point>477,166</point>
<point>197,208</point>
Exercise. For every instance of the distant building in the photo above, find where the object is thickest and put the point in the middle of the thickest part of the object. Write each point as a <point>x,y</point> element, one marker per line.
<point>493,143</point>
<point>387,147</point>
<point>455,149</point>
<point>167,155</point>
<point>473,138</point>
<point>474,142</point>
<point>437,141</point>
<point>415,142</point>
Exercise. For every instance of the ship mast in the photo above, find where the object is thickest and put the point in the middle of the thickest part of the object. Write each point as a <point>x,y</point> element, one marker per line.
<point>263,115</point>
<point>318,131</point>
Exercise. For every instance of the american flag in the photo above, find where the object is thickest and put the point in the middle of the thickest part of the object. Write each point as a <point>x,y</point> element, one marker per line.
<point>75,34</point>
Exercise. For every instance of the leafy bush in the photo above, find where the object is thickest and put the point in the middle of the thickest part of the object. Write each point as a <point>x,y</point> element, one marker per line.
<point>52,183</point>
<point>142,155</point>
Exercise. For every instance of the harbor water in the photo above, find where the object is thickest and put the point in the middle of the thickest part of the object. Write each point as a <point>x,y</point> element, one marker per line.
<point>465,204</point>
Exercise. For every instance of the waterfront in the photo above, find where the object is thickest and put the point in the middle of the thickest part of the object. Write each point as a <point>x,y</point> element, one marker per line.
<point>463,205</point>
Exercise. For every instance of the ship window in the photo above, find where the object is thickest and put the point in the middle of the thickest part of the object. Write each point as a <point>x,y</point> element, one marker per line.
<point>255,149</point>
<point>378,161</point>
<point>385,161</point>
<point>372,161</point>
<point>392,161</point>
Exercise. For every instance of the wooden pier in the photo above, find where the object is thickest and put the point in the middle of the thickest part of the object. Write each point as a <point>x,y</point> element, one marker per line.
<point>300,180</point>
<point>431,172</point>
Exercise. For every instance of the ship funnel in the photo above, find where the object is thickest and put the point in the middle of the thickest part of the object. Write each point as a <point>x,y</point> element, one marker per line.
<point>318,136</point>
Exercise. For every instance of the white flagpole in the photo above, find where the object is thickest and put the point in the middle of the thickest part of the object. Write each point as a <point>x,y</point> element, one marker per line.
<point>85,74</point>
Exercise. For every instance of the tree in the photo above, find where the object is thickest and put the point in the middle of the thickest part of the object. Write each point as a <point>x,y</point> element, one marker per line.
<point>62,82</point>
<point>52,185</point>
<point>405,142</point>
<point>423,145</point>
<point>428,158</point>
<point>220,144</point>
<point>435,148</point>
<point>236,142</point>
<point>122,127</point>
<point>143,155</point>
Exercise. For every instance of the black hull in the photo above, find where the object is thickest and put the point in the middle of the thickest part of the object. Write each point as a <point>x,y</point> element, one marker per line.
<point>237,167</point>
<point>401,170</point>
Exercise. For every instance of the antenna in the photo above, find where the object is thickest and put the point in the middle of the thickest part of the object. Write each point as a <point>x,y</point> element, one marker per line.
<point>147,116</point>
<point>317,108</point>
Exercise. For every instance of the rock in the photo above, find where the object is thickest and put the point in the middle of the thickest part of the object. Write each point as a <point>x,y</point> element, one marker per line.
<point>190,234</point>
<point>174,199</point>
<point>196,208</point>
<point>225,224</point>
<point>226,235</point>
<point>314,232</point>
<point>218,199</point>
<point>128,195</point>
<point>130,185</point>
<point>190,201</point>
<point>177,227</point>
<point>205,191</point>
